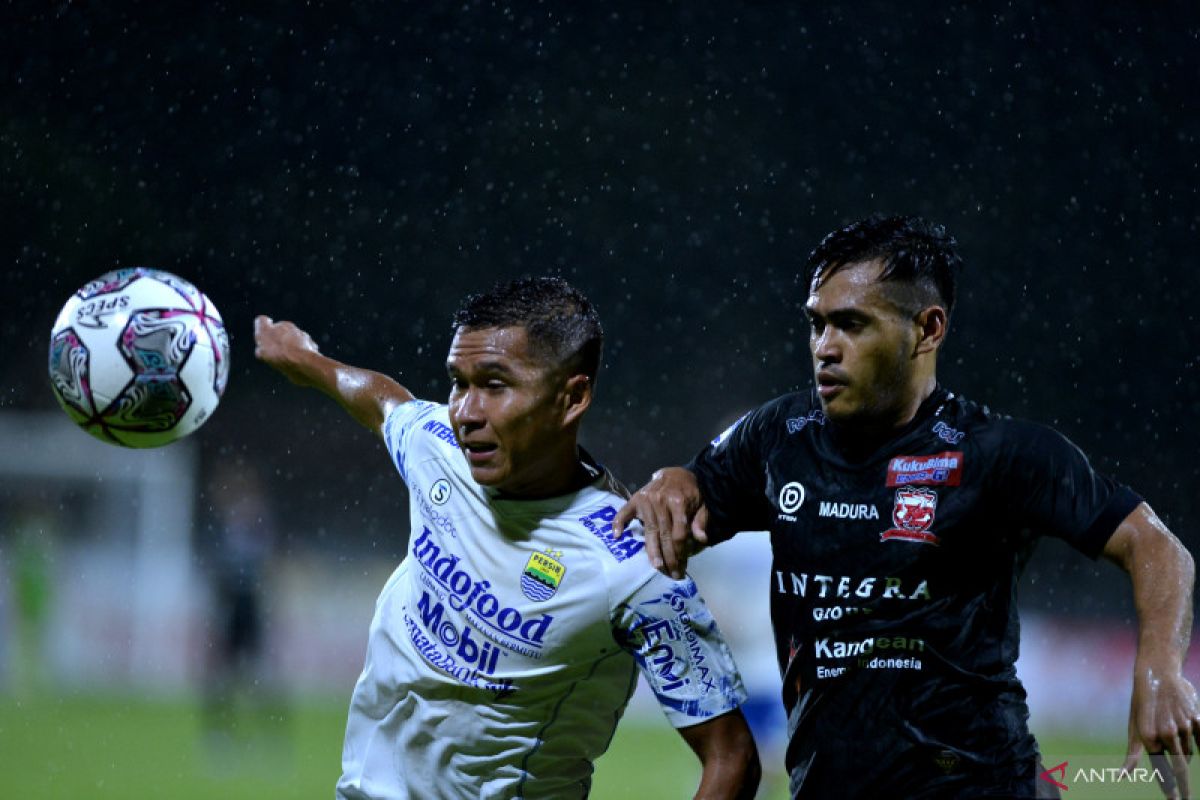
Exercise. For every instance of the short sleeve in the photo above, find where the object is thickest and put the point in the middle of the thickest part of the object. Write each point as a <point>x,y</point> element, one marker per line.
<point>399,426</point>
<point>669,631</point>
<point>1049,484</point>
<point>732,478</point>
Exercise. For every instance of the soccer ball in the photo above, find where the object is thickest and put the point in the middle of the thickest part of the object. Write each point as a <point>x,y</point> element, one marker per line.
<point>139,357</point>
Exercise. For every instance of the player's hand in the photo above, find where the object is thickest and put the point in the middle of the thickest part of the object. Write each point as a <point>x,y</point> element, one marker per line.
<point>280,345</point>
<point>673,517</point>
<point>1164,721</point>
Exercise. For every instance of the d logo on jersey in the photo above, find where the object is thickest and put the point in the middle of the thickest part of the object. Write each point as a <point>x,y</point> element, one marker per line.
<point>543,573</point>
<point>913,514</point>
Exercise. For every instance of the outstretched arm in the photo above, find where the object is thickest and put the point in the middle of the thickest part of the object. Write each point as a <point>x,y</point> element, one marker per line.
<point>365,395</point>
<point>726,749</point>
<point>1164,715</point>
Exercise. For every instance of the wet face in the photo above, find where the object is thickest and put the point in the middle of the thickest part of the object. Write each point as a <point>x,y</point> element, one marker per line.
<point>863,347</point>
<point>510,412</point>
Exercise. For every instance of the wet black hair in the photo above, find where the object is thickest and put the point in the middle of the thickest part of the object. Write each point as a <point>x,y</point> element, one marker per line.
<point>913,250</point>
<point>561,323</point>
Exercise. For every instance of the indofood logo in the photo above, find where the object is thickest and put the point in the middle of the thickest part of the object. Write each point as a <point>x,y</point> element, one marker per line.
<point>446,574</point>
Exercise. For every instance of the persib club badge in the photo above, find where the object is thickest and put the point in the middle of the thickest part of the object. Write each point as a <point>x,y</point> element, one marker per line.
<point>543,573</point>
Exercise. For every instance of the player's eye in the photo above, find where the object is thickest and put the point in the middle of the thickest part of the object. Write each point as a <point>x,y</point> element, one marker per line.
<point>856,324</point>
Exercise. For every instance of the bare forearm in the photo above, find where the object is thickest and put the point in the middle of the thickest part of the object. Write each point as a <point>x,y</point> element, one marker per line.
<point>729,778</point>
<point>1164,715</point>
<point>1163,573</point>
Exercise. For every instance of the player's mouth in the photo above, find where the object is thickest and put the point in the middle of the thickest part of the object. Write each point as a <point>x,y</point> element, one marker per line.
<point>829,384</point>
<point>479,453</point>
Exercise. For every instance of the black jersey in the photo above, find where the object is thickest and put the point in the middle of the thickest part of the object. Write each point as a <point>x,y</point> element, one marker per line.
<point>893,585</point>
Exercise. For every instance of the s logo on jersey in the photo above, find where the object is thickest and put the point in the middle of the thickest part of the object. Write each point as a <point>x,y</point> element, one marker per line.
<point>543,573</point>
<point>913,513</point>
<point>440,492</point>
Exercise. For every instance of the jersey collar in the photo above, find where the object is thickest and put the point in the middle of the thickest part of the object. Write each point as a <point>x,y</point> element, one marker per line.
<point>842,443</point>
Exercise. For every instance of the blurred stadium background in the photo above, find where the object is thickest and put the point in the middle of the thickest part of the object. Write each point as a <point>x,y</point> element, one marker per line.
<point>359,169</point>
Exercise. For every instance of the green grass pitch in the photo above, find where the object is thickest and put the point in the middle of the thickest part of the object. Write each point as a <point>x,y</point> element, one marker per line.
<point>94,748</point>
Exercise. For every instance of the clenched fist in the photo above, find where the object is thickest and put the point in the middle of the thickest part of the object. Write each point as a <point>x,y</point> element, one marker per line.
<point>284,346</point>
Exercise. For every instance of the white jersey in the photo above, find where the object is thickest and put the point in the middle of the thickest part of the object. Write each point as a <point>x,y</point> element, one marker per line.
<point>504,647</point>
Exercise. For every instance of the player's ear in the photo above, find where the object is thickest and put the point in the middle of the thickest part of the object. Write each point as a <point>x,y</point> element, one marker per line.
<point>576,397</point>
<point>931,325</point>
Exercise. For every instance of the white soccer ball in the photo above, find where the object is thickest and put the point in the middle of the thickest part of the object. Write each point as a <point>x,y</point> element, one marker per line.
<point>139,357</point>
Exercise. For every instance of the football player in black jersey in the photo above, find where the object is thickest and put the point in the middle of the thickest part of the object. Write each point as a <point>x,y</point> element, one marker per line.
<point>901,516</point>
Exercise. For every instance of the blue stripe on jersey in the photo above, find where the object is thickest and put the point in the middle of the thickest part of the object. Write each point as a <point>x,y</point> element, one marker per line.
<point>413,411</point>
<point>397,453</point>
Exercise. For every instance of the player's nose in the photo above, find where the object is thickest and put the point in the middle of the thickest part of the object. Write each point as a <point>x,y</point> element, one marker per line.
<point>468,410</point>
<point>825,348</point>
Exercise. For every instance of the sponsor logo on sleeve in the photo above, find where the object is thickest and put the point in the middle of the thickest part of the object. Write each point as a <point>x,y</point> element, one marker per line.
<point>912,515</point>
<point>673,650</point>
<point>940,469</point>
<point>442,431</point>
<point>543,573</point>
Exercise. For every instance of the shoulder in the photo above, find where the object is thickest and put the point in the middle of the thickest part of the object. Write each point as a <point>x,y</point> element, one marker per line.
<point>593,511</point>
<point>1027,440</point>
<point>793,405</point>
<point>419,416</point>
<point>414,430</point>
<point>788,413</point>
<point>1018,440</point>
<point>961,418</point>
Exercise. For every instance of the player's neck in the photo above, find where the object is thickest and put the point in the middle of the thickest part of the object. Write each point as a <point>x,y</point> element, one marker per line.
<point>917,397</point>
<point>564,474</point>
<point>859,438</point>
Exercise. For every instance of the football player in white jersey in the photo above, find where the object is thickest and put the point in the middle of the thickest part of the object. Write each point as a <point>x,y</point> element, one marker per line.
<point>506,645</point>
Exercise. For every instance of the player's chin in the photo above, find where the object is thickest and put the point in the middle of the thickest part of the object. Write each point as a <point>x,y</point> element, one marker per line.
<point>841,408</point>
<point>488,474</point>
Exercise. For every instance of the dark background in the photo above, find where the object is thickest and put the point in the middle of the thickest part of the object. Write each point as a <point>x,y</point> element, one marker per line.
<point>358,169</point>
